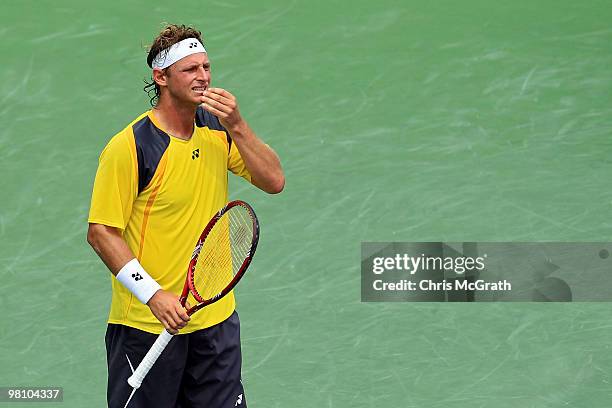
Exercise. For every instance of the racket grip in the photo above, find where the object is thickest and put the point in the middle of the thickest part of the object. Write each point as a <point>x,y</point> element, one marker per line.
<point>149,359</point>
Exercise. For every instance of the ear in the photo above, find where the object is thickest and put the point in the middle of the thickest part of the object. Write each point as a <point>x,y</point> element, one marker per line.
<point>160,77</point>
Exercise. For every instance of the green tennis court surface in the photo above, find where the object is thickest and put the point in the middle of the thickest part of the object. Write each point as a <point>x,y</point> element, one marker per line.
<point>395,121</point>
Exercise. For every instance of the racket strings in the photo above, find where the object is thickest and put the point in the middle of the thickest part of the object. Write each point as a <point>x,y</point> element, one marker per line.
<point>214,267</point>
<point>225,248</point>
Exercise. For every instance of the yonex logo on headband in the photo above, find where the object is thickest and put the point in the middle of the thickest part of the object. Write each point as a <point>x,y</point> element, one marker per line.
<point>176,52</point>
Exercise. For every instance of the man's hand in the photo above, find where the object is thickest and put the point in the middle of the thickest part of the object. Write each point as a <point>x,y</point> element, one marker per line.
<point>259,158</point>
<point>168,310</point>
<point>223,105</point>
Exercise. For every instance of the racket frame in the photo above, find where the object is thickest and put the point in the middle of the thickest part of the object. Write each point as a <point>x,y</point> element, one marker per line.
<point>189,285</point>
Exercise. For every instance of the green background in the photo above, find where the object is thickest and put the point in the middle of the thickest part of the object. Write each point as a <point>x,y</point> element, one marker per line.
<point>395,121</point>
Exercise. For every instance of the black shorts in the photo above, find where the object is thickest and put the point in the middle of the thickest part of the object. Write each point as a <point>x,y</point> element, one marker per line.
<point>199,369</point>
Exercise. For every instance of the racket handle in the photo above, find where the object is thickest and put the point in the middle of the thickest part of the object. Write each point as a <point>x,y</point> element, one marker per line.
<point>147,362</point>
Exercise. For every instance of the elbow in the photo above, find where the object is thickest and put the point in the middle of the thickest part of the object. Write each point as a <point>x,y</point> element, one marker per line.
<point>277,186</point>
<point>272,184</point>
<point>91,235</point>
<point>97,234</point>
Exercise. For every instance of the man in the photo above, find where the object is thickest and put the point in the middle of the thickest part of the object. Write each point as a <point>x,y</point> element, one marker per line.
<point>158,183</point>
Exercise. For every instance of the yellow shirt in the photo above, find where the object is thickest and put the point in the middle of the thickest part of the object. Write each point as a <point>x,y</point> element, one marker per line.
<point>161,191</point>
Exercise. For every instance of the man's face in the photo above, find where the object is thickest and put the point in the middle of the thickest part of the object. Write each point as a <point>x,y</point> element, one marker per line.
<point>187,79</point>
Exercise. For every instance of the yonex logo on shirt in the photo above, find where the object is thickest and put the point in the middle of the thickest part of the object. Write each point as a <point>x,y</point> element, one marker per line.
<point>195,154</point>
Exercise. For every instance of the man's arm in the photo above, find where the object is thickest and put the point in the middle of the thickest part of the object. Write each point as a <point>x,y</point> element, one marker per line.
<point>115,253</point>
<point>260,160</point>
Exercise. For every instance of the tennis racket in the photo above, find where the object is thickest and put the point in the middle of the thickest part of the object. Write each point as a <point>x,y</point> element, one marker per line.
<point>220,259</point>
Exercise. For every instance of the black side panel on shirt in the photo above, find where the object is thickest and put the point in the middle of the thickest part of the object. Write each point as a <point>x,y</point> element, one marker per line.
<point>206,119</point>
<point>151,143</point>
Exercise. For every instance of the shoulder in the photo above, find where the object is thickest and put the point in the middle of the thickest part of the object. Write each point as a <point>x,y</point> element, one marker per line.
<point>142,139</point>
<point>147,137</point>
<point>123,141</point>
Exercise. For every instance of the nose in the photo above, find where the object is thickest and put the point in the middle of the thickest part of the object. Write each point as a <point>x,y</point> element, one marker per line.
<point>203,74</point>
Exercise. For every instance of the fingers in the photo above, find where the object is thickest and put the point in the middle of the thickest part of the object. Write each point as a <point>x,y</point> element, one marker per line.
<point>174,320</point>
<point>220,95</point>
<point>216,112</point>
<point>169,323</point>
<point>177,317</point>
<point>169,311</point>
<point>182,315</point>
<point>221,92</point>
<point>219,103</point>
<point>222,104</point>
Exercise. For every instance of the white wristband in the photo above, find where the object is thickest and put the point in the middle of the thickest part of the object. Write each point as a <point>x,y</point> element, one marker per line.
<point>137,280</point>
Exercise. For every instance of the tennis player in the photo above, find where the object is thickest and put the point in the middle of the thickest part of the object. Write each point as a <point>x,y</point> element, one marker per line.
<point>158,183</point>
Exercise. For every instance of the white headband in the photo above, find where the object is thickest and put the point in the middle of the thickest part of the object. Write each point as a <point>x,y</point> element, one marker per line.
<point>176,52</point>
